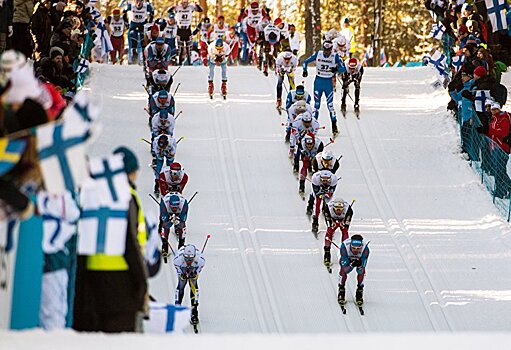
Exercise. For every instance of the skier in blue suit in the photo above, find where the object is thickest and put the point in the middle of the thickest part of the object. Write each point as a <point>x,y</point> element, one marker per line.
<point>327,65</point>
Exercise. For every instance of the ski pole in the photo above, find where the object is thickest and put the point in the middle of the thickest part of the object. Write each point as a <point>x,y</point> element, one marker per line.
<point>335,244</point>
<point>147,111</point>
<point>154,199</point>
<point>191,199</point>
<point>331,141</point>
<point>177,87</point>
<point>170,246</point>
<point>181,138</point>
<point>177,70</point>
<point>145,140</point>
<point>146,89</point>
<point>177,116</point>
<point>205,242</point>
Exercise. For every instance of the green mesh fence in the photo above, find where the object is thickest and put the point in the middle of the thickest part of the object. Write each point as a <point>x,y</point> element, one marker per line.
<point>488,160</point>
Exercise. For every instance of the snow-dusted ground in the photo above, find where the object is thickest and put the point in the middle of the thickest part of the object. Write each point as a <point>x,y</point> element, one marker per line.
<point>440,254</point>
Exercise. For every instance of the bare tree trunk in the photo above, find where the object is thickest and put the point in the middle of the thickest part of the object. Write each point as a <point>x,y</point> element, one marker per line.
<point>363,23</point>
<point>277,8</point>
<point>219,7</point>
<point>316,25</point>
<point>309,46</point>
<point>204,5</point>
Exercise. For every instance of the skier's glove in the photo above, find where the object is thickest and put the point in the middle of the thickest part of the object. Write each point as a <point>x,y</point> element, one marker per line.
<point>193,276</point>
<point>356,263</point>
<point>183,277</point>
<point>305,74</point>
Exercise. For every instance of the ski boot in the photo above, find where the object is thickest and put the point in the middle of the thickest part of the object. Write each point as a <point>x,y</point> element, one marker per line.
<point>326,259</point>
<point>265,69</point>
<point>357,110</point>
<point>288,136</point>
<point>224,89</point>
<point>164,249</point>
<point>194,319</point>
<point>309,206</point>
<point>343,108</point>
<point>156,188</point>
<point>335,131</point>
<point>359,295</point>
<point>279,105</point>
<point>181,243</point>
<point>211,88</point>
<point>315,225</point>
<point>296,166</point>
<point>341,296</point>
<point>301,188</point>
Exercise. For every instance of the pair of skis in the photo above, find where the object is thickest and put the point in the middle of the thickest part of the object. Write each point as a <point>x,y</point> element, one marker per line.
<point>356,110</point>
<point>224,96</point>
<point>359,305</point>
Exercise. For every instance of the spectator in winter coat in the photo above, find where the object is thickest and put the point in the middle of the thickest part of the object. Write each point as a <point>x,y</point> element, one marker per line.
<point>5,25</point>
<point>62,33</point>
<point>56,13</point>
<point>499,129</point>
<point>465,106</point>
<point>21,39</point>
<point>52,69</point>
<point>41,29</point>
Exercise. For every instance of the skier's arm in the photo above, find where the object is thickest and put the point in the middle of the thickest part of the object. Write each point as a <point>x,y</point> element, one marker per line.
<point>340,65</point>
<point>308,60</point>
<point>198,8</point>
<point>150,11</point>
<point>345,258</point>
<point>365,256</point>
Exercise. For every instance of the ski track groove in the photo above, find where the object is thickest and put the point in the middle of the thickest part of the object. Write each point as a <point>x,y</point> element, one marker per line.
<point>246,212</point>
<point>397,234</point>
<point>406,234</point>
<point>256,299</point>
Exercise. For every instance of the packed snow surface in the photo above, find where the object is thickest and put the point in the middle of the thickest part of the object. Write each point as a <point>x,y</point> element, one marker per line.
<point>440,254</point>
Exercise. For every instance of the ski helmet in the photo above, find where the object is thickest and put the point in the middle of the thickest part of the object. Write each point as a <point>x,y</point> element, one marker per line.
<point>332,34</point>
<point>357,241</point>
<point>352,63</point>
<point>116,12</point>
<point>163,95</point>
<point>175,170</point>
<point>272,38</point>
<point>254,5</point>
<point>309,141</point>
<point>338,207</point>
<point>299,92</point>
<point>287,55</point>
<point>278,21</point>
<point>174,201</point>
<point>341,42</point>
<point>327,158</point>
<point>306,117</point>
<point>325,177</point>
<point>163,114</point>
<point>189,252</point>
<point>163,141</point>
<point>327,45</point>
<point>219,44</point>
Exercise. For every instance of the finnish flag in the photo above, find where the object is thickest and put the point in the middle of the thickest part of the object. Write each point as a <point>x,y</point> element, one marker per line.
<point>480,99</point>
<point>111,178</point>
<point>103,226</point>
<point>153,244</point>
<point>102,34</point>
<point>438,31</point>
<point>166,318</point>
<point>61,150</point>
<point>60,214</point>
<point>497,14</point>
<point>437,60</point>
<point>82,66</point>
<point>83,110</point>
<point>457,62</point>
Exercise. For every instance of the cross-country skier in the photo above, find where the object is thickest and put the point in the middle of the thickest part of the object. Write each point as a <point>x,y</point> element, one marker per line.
<point>352,75</point>
<point>116,27</point>
<point>269,39</point>
<point>173,212</point>
<point>325,161</point>
<point>354,255</point>
<point>158,54</point>
<point>162,123</point>
<point>170,34</point>
<point>285,65</point>
<point>293,111</point>
<point>250,19</point>
<point>184,16</point>
<point>310,146</point>
<point>296,95</point>
<point>218,54</point>
<point>189,263</point>
<point>141,13</point>
<point>303,124</point>
<point>220,29</point>
<point>164,150</point>
<point>160,79</point>
<point>161,100</point>
<point>327,65</point>
<point>323,188</point>
<point>172,179</point>
<point>338,216</point>
<point>205,39</point>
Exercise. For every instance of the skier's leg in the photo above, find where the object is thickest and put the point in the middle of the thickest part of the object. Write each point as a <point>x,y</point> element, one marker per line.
<point>180,291</point>
<point>318,91</point>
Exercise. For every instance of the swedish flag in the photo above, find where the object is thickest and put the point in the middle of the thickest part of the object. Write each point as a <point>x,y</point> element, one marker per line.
<point>10,153</point>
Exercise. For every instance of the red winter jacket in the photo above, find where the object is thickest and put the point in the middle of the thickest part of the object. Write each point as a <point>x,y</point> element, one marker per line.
<point>499,128</point>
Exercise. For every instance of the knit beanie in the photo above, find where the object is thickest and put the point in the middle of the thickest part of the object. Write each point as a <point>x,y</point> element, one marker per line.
<point>130,159</point>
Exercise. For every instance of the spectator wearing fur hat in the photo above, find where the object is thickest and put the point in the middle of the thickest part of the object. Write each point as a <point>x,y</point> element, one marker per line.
<point>52,69</point>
